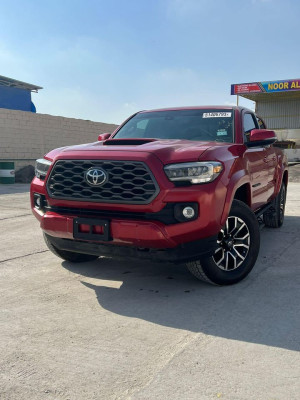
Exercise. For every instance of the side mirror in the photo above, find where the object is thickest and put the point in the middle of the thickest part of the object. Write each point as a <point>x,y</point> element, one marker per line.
<point>104,136</point>
<point>261,137</point>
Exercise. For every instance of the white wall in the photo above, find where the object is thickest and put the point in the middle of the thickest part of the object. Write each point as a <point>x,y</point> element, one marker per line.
<point>26,136</point>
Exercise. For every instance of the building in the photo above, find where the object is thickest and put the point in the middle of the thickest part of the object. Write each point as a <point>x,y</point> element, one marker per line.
<point>26,135</point>
<point>278,104</point>
<point>16,95</point>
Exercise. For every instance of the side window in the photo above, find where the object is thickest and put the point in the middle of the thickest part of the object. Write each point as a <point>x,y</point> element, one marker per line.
<point>261,123</point>
<point>249,124</point>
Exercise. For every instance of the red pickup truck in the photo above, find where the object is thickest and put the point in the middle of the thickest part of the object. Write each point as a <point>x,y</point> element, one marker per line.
<point>185,185</point>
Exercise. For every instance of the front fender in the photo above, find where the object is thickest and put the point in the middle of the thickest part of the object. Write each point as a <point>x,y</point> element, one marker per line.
<point>237,180</point>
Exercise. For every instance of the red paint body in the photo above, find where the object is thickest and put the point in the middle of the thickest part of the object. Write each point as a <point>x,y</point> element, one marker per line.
<point>259,170</point>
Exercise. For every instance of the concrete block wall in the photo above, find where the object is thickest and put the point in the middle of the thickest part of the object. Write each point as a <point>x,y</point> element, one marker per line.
<point>26,136</point>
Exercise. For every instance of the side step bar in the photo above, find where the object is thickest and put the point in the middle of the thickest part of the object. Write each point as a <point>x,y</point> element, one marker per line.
<point>262,210</point>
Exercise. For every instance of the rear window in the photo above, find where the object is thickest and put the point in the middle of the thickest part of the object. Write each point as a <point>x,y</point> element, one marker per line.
<point>198,125</point>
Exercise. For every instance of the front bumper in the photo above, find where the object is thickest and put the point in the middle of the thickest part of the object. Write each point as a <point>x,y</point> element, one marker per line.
<point>182,253</point>
<point>138,232</point>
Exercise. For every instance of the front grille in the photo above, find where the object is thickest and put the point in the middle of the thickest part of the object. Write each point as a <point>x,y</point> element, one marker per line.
<point>128,182</point>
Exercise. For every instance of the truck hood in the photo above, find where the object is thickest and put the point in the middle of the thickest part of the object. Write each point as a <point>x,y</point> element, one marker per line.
<point>168,151</point>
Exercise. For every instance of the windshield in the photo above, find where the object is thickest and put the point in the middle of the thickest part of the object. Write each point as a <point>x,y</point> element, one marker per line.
<point>199,125</point>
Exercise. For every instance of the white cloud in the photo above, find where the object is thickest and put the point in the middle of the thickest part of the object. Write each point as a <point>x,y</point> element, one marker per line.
<point>130,106</point>
<point>230,103</point>
<point>10,63</point>
<point>74,102</point>
<point>69,92</point>
<point>174,87</point>
<point>261,1</point>
<point>168,87</point>
<point>185,8</point>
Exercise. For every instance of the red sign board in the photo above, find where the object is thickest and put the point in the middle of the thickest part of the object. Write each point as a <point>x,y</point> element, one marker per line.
<point>247,88</point>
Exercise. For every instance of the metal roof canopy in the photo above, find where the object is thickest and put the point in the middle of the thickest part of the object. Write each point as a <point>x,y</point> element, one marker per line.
<point>271,96</point>
<point>277,102</point>
<point>4,81</point>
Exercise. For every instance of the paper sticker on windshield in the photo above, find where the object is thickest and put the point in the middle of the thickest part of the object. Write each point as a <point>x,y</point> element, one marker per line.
<point>222,132</point>
<point>217,115</point>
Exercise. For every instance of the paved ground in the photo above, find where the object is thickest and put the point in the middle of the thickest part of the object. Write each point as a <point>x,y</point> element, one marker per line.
<point>131,330</point>
<point>294,172</point>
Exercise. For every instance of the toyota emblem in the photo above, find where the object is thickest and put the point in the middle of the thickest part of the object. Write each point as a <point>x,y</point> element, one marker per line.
<point>96,176</point>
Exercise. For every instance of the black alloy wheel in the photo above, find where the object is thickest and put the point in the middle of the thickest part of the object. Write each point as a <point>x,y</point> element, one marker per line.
<point>238,247</point>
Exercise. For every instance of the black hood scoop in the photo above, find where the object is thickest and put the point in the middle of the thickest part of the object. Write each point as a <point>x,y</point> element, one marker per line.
<point>127,142</point>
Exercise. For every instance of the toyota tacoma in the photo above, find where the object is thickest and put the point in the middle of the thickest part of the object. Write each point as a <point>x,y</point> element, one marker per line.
<point>184,185</point>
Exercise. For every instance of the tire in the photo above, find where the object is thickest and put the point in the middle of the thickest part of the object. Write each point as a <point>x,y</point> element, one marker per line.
<point>274,217</point>
<point>239,242</point>
<point>67,255</point>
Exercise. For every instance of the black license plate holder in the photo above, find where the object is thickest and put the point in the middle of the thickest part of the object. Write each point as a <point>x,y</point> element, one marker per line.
<point>91,234</point>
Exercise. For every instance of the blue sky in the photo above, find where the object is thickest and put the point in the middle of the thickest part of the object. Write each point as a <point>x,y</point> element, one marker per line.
<point>104,60</point>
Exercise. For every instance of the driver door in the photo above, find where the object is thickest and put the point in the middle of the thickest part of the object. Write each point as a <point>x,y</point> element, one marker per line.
<point>271,161</point>
<point>256,159</point>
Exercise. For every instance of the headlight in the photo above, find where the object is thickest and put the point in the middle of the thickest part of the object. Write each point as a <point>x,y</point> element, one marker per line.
<point>193,172</point>
<point>41,167</point>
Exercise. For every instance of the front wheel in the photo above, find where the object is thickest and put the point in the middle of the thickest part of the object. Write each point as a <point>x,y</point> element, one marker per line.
<point>67,255</point>
<point>238,247</point>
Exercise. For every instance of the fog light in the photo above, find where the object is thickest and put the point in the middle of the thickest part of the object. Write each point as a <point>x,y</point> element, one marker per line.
<point>38,201</point>
<point>188,212</point>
